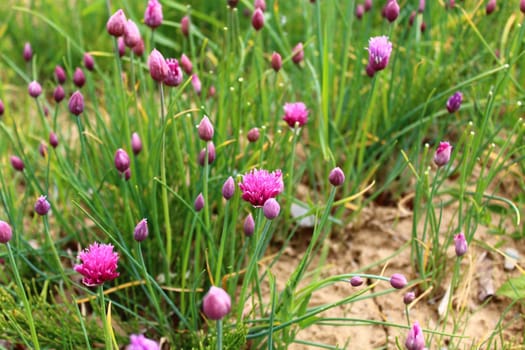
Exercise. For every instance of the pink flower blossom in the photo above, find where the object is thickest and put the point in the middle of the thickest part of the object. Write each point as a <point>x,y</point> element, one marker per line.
<point>379,50</point>
<point>258,186</point>
<point>140,342</point>
<point>174,77</point>
<point>99,264</point>
<point>216,303</point>
<point>295,114</point>
<point>153,14</point>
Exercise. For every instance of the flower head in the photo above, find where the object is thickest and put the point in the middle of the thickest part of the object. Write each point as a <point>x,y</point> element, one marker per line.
<point>228,189</point>
<point>186,64</point>
<point>522,6</point>
<point>277,61</point>
<point>391,10</point>
<point>185,25</point>
<point>136,143</point>
<point>1,107</point>
<point>6,233</point>
<point>28,52</point>
<point>59,94</point>
<point>379,50</point>
<point>216,303</point>
<point>60,74</point>
<point>460,244</point>
<point>260,4</point>
<point>295,114</point>
<point>116,23</point>
<point>196,83</point>
<point>141,230</point>
<point>359,11</point>
<point>131,34</point>
<point>368,5</point>
<point>271,209</point>
<point>121,160</point>
<point>34,89</point>
<point>199,202</point>
<point>42,206</point>
<point>415,339</point>
<point>491,6</point>
<point>205,129</point>
<point>442,155</point>
<point>89,62</point>
<point>17,163</point>
<point>298,53</point>
<point>249,225</point>
<point>253,134</point>
<point>174,77</point>
<point>76,103</point>
<point>398,281</point>
<point>53,139</point>
<point>258,19</point>
<point>211,154</point>
<point>99,264</point>
<point>336,177</point>
<point>158,68</point>
<point>258,186</point>
<point>356,281</point>
<point>79,78</point>
<point>454,102</point>
<point>138,49</point>
<point>140,342</point>
<point>409,297</point>
<point>153,14</point>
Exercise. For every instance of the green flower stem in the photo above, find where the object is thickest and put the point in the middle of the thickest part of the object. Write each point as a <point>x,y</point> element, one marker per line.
<point>107,333</point>
<point>219,334</point>
<point>222,244</point>
<point>27,306</point>
<point>289,183</point>
<point>186,260</point>
<point>54,250</point>
<point>84,149</point>
<point>205,189</point>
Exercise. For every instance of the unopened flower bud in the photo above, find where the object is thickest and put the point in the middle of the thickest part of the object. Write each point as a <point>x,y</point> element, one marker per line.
<point>253,135</point>
<point>76,103</point>
<point>138,49</point>
<point>2,108</point>
<point>398,281</point>
<point>271,209</point>
<point>131,34</point>
<point>42,149</point>
<point>491,6</point>
<point>336,177</point>
<point>28,52</point>
<point>228,189</point>
<point>409,297</point>
<point>199,202</point>
<point>277,62</point>
<point>117,23</point>
<point>196,83</point>
<point>17,163</point>
<point>368,5</point>
<point>442,155</point>
<point>258,19</point>
<point>53,139</point>
<point>158,68</point>
<point>34,89</point>
<point>454,102</point>
<point>415,339</point>
<point>356,281</point>
<point>216,303</point>
<point>79,79</point>
<point>211,154</point>
<point>359,11</point>
<point>59,94</point>
<point>391,10</point>
<point>153,14</point>
<point>249,225</point>
<point>6,233</point>
<point>121,160</point>
<point>298,53</point>
<point>60,74</point>
<point>141,230</point>
<point>260,4</point>
<point>460,244</point>
<point>186,64</point>
<point>136,143</point>
<point>127,174</point>
<point>205,129</point>
<point>42,206</point>
<point>185,26</point>
<point>89,62</point>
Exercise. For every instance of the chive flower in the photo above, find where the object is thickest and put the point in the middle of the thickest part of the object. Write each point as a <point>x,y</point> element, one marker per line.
<point>205,129</point>
<point>98,264</point>
<point>379,50</point>
<point>185,26</point>
<point>141,230</point>
<point>79,79</point>
<point>174,76</point>
<point>442,155</point>
<point>216,303</point>
<point>186,64</point>
<point>158,68</point>
<point>298,53</point>
<point>121,160</point>
<point>260,4</point>
<point>89,62</point>
<point>460,244</point>
<point>409,297</point>
<point>228,189</point>
<point>211,154</point>
<point>116,24</point>
<point>76,103</point>
<point>258,19</point>
<point>253,135</point>
<point>28,52</point>
<point>391,10</point>
<point>153,14</point>
<point>136,143</point>
<point>34,89</point>
<point>199,202</point>
<point>277,61</point>
<point>59,94</point>
<point>6,233</point>
<point>356,281</point>
<point>336,177</point>
<point>53,139</point>
<point>454,102</point>
<point>131,34</point>
<point>196,83</point>
<point>258,186</point>
<point>295,114</point>
<point>415,339</point>
<point>398,281</point>
<point>60,74</point>
<point>17,163</point>
<point>249,225</point>
<point>271,209</point>
<point>140,342</point>
<point>42,206</point>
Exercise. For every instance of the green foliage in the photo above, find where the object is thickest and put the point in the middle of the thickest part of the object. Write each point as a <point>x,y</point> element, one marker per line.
<point>513,288</point>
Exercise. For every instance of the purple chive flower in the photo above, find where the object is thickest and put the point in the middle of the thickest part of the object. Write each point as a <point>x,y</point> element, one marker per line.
<point>121,160</point>
<point>196,82</point>
<point>258,19</point>
<point>131,34</point>
<point>412,18</point>
<point>185,26</point>
<point>491,6</point>
<point>409,297</point>
<point>277,61</point>
<point>522,6</point>
<point>186,64</point>
<point>421,7</point>
<point>336,177</point>
<point>153,14</point>
<point>452,3</point>
<point>42,206</point>
<point>423,27</point>
<point>253,135</point>
<point>141,230</point>
<point>228,189</point>
<point>6,233</point>
<point>121,46</point>
<point>140,342</point>
<point>454,102</point>
<point>260,4</point>
<point>199,202</point>
<point>271,209</point>
<point>391,10</point>
<point>60,74</point>
<point>233,3</point>
<point>258,186</point>
<point>116,23</point>
<point>298,53</point>
<point>398,281</point>
<point>205,129</point>
<point>136,143</point>
<point>34,89</point>
<point>295,114</point>
<point>2,108</point>
<point>79,79</point>
<point>211,154</point>
<point>158,68</point>
<point>127,174</point>
<point>99,264</point>
<point>89,62</point>
<point>42,149</point>
<point>174,77</point>
<point>415,339</point>
<point>359,11</point>
<point>138,49</point>
<point>249,225</point>
<point>17,163</point>
<point>442,155</point>
<point>379,50</point>
<point>76,103</point>
<point>216,303</point>
<point>28,52</point>
<point>59,94</point>
<point>460,244</point>
<point>53,139</point>
<point>368,5</point>
<point>356,281</point>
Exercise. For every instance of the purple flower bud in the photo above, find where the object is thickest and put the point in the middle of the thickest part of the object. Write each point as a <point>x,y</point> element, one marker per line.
<point>211,91</point>
<point>253,135</point>
<point>298,53</point>
<point>421,7</point>
<point>59,94</point>
<point>260,4</point>
<point>271,209</point>
<point>398,281</point>
<point>121,46</point>
<point>415,339</point>
<point>158,68</point>
<point>28,52</point>
<point>491,6</point>
<point>277,61</point>
<point>186,64</point>
<point>258,19</point>
<point>174,77</point>
<point>368,5</point>
<point>196,82</point>
<point>249,225</point>
<point>121,160</point>
<point>391,10</point>
<point>356,281</point>
<point>2,108</point>
<point>460,244</point>
<point>452,3</point>
<point>423,27</point>
<point>89,62</point>
<point>185,25</point>
<point>454,102</point>
<point>199,202</point>
<point>359,11</point>
<point>6,233</point>
<point>412,18</point>
<point>211,154</point>
<point>379,50</point>
<point>233,3</point>
<point>127,174</point>
<point>34,89</point>
<point>205,129</point>
<point>79,79</point>
<point>140,342</point>
<point>138,49</point>
<point>141,230</point>
<point>131,34</point>
<point>336,177</point>
<point>42,149</point>
<point>442,155</point>
<point>409,297</point>
<point>60,74</point>
<point>116,23</point>
<point>522,6</point>
<point>136,143</point>
<point>76,103</point>
<point>216,303</point>
<point>228,189</point>
<point>153,14</point>
<point>42,206</point>
<point>17,163</point>
<point>53,139</point>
